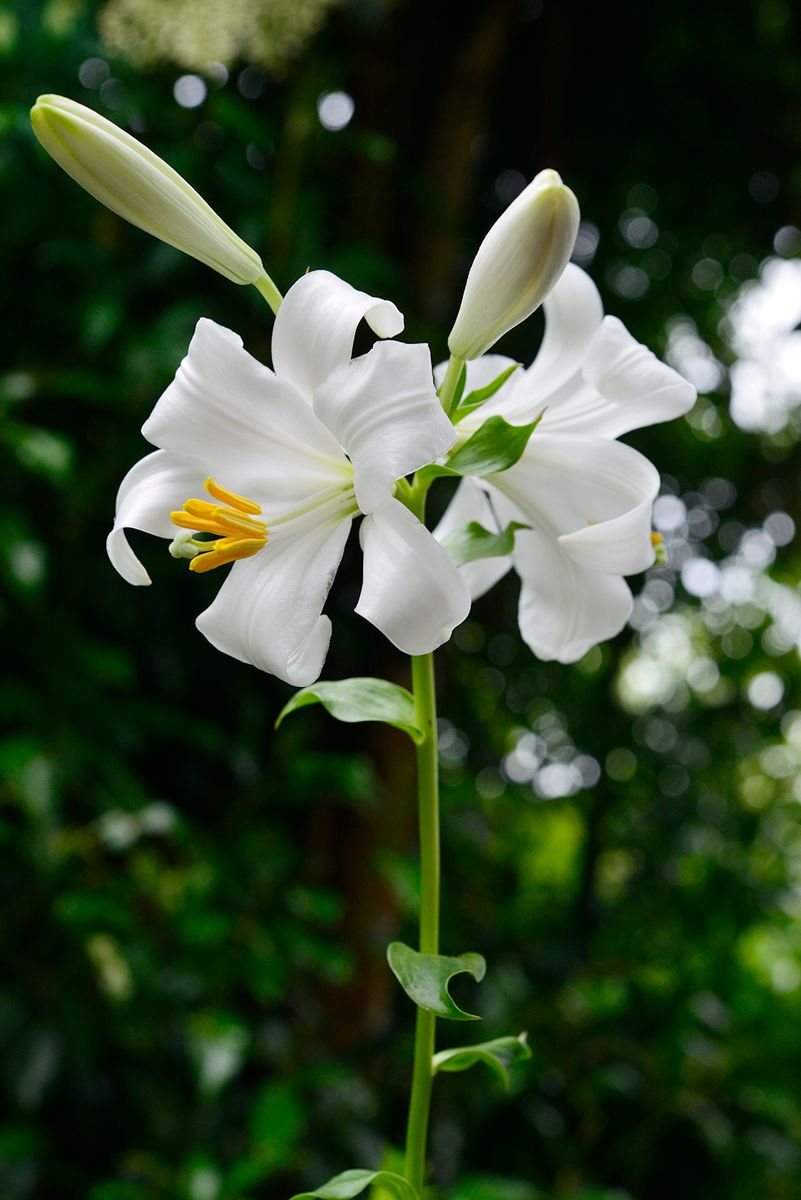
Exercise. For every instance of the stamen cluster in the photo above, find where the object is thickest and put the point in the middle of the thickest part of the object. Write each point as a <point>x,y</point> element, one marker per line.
<point>238,535</point>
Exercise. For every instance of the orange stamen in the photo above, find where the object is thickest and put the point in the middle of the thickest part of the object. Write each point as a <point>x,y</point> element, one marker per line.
<point>227,497</point>
<point>236,549</point>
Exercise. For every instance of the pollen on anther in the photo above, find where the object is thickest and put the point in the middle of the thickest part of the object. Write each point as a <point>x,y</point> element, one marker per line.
<point>225,496</point>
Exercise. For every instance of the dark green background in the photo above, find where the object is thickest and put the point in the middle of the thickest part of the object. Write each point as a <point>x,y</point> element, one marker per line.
<point>194,1000</point>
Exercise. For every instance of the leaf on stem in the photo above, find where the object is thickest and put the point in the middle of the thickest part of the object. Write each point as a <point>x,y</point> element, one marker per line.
<point>475,399</point>
<point>494,447</point>
<point>425,978</point>
<point>360,699</point>
<point>499,1055</point>
<point>352,1183</point>
<point>472,541</point>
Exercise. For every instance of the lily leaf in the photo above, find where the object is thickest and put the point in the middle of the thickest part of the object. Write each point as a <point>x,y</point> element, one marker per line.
<point>352,1183</point>
<point>499,1055</point>
<point>475,399</point>
<point>494,447</point>
<point>472,541</point>
<point>360,699</point>
<point>425,978</point>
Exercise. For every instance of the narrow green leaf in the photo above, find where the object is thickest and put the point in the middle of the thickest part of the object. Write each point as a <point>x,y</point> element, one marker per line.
<point>360,699</point>
<point>473,541</point>
<point>353,1183</point>
<point>494,447</point>
<point>425,978</point>
<point>499,1055</point>
<point>475,399</point>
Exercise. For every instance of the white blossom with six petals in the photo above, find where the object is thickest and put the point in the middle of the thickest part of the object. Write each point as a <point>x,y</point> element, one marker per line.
<point>585,497</point>
<point>313,443</point>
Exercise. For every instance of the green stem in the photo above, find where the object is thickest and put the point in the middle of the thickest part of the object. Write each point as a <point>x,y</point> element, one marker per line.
<point>270,292</point>
<point>447,391</point>
<point>424,688</point>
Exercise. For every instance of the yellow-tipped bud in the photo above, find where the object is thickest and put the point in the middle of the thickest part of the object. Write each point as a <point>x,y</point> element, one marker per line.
<point>138,185</point>
<point>517,264</point>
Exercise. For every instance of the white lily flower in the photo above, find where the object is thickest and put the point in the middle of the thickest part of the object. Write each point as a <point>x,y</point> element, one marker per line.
<point>288,458</point>
<point>135,183</point>
<point>517,264</point>
<point>586,497</point>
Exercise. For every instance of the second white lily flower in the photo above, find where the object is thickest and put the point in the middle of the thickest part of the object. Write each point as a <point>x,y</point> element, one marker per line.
<point>583,498</point>
<point>287,459</point>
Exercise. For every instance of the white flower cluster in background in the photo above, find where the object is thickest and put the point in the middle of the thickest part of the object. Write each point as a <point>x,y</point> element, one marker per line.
<point>736,596</point>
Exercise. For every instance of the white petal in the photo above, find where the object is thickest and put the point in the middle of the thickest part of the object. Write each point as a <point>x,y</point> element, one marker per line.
<point>594,495</point>
<point>316,324</point>
<point>565,609</point>
<point>471,503</point>
<point>268,611</point>
<point>573,314</point>
<point>623,386</point>
<point>412,591</point>
<point>383,409</point>
<point>152,489</point>
<point>247,428</point>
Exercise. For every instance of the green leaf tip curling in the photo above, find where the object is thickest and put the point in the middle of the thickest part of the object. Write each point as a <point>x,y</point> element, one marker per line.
<point>425,978</point>
<point>499,1055</point>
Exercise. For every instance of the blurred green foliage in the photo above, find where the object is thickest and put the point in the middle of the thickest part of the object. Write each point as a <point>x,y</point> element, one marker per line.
<point>195,1003</point>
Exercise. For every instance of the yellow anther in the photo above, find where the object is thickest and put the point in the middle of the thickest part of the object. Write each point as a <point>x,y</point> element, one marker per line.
<point>227,497</point>
<point>656,538</point>
<point>233,522</point>
<point>202,508</point>
<point>210,518</point>
<point>218,556</point>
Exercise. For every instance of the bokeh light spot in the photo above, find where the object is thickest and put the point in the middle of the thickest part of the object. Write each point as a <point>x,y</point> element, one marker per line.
<point>190,91</point>
<point>765,690</point>
<point>335,110</point>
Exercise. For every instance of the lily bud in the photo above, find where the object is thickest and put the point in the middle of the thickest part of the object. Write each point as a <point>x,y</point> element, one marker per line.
<point>517,264</point>
<point>138,185</point>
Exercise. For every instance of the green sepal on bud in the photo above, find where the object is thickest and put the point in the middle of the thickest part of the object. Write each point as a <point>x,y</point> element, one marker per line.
<point>517,264</point>
<point>135,183</point>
